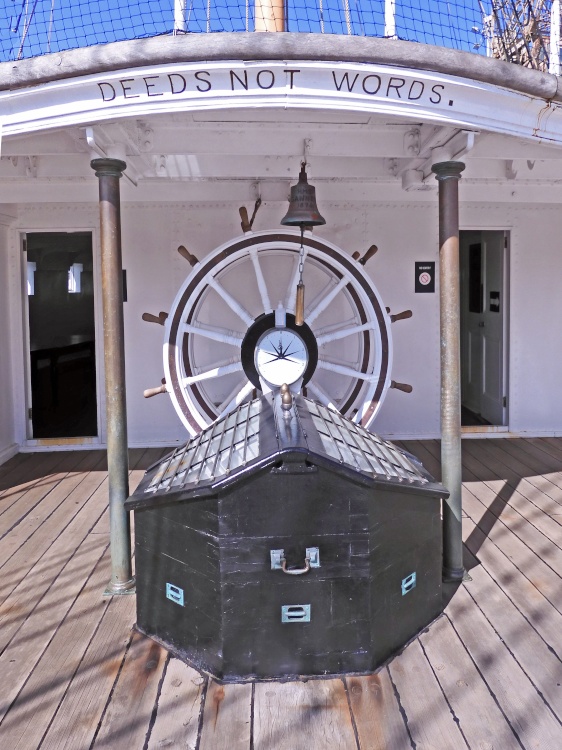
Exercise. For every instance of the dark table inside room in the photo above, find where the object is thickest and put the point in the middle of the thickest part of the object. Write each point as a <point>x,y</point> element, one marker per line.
<point>63,383</point>
<point>283,542</point>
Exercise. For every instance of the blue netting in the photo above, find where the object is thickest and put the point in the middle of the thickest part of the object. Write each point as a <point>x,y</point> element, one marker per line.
<point>35,27</point>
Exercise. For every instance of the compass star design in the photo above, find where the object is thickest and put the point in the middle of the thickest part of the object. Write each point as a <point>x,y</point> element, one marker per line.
<point>281,357</point>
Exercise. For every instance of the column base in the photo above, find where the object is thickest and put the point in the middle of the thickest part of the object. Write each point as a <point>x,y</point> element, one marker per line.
<point>453,575</point>
<point>118,588</point>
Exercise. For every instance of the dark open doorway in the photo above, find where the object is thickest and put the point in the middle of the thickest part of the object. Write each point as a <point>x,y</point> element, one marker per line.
<point>60,313</point>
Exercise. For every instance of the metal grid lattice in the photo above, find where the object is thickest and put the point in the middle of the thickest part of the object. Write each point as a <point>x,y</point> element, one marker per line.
<point>354,446</point>
<point>494,27</point>
<point>227,444</point>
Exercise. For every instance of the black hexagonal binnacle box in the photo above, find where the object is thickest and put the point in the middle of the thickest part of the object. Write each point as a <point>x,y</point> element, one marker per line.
<point>281,543</point>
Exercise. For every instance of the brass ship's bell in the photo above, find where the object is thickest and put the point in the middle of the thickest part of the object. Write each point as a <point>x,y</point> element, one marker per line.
<point>303,211</point>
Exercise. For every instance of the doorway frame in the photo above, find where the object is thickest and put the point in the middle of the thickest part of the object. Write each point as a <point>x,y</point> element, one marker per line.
<point>72,443</point>
<point>479,430</point>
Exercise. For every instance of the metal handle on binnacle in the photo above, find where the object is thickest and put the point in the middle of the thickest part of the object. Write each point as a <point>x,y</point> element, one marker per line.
<point>295,571</point>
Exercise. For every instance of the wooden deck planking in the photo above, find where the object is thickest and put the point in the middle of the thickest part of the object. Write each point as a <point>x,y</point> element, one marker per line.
<point>467,692</point>
<point>15,506</point>
<point>227,717</point>
<point>178,708</point>
<point>376,711</point>
<point>514,668</point>
<point>78,715</point>
<point>428,714</point>
<point>299,715</point>
<point>544,617</point>
<point>126,720</point>
<point>541,493</point>
<point>57,525</point>
<point>25,725</point>
<point>518,466</point>
<point>486,674</point>
<point>513,504</point>
<point>22,471</point>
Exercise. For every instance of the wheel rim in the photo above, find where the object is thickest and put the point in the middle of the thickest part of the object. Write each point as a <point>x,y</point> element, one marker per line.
<point>244,279</point>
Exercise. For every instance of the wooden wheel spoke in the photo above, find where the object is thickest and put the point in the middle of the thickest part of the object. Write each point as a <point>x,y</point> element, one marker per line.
<point>342,333</point>
<point>350,372</point>
<point>321,395</point>
<point>344,315</point>
<point>234,305</point>
<point>235,398</point>
<point>214,333</point>
<point>311,315</point>
<point>262,286</point>
<point>214,372</point>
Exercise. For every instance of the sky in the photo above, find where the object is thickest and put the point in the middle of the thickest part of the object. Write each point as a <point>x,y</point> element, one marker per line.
<point>34,27</point>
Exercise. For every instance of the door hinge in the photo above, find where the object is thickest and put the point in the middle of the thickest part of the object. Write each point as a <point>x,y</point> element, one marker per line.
<point>505,401</point>
<point>24,243</point>
<point>30,413</point>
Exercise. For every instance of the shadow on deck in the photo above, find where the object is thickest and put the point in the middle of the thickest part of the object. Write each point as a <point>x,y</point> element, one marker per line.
<point>487,674</point>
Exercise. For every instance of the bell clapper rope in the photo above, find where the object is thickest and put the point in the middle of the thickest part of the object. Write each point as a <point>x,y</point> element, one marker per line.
<point>299,305</point>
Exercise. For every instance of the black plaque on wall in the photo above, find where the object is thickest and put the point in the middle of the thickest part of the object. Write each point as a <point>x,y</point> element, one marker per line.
<point>425,277</point>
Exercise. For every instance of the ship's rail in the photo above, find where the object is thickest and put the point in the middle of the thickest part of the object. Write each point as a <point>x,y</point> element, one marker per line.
<point>514,30</point>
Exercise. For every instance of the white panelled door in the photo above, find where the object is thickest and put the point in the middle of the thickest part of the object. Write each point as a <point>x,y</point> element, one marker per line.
<point>483,311</point>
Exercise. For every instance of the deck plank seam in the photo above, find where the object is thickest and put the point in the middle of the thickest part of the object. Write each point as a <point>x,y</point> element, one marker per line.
<point>204,690</point>
<point>21,498</point>
<point>530,469</point>
<point>512,654</point>
<point>488,572</point>
<point>486,683</point>
<point>156,706</point>
<point>450,707</point>
<point>55,631</point>
<point>545,516</point>
<point>13,464</point>
<point>540,447</point>
<point>475,457</point>
<point>491,541</point>
<point>401,709</point>
<point>532,454</point>
<point>70,520</point>
<point>351,714</point>
<point>252,705</point>
<point>511,529</point>
<point>110,696</point>
<point>554,452</point>
<point>85,503</point>
<point>71,554</point>
<point>514,482</point>
<point>78,666</point>
<point>30,483</point>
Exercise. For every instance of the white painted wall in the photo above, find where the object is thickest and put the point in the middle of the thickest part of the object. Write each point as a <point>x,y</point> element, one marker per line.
<point>8,444</point>
<point>405,233</point>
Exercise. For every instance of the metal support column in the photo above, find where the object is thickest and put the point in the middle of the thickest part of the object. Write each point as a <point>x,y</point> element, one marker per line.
<point>448,174</point>
<point>109,171</point>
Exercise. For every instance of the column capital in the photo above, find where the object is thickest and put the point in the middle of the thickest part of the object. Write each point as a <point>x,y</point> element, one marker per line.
<point>108,167</point>
<point>447,170</point>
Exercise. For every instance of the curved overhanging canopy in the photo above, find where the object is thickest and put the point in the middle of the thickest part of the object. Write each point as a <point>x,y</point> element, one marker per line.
<point>355,87</point>
<point>206,117</point>
<point>224,71</point>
